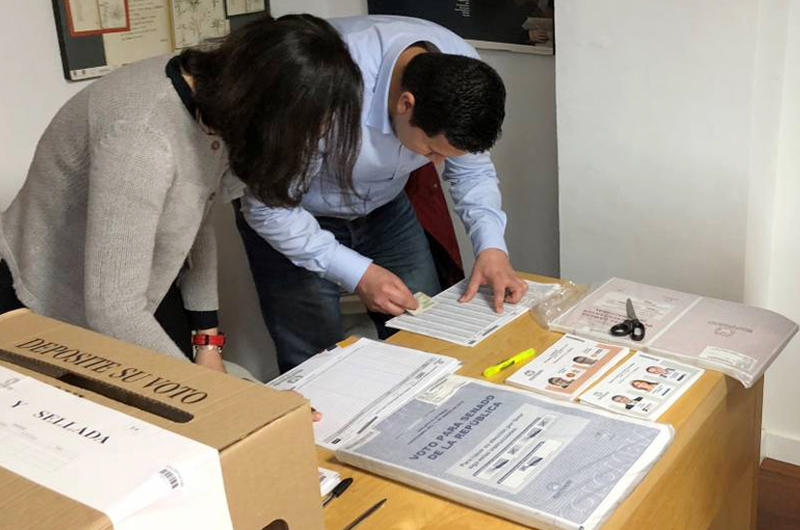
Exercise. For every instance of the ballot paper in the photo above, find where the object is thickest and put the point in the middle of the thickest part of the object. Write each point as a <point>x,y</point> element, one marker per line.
<point>469,323</point>
<point>644,386</point>
<point>357,385</point>
<point>568,367</point>
<point>536,461</point>
<point>735,339</point>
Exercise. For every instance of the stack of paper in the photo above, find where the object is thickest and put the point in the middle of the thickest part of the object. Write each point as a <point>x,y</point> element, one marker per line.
<point>358,385</point>
<point>328,479</point>
<point>469,323</point>
<point>568,367</point>
<point>539,462</point>
<point>732,338</point>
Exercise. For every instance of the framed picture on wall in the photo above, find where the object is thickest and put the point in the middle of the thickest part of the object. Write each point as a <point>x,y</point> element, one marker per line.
<point>525,26</point>
<point>97,36</point>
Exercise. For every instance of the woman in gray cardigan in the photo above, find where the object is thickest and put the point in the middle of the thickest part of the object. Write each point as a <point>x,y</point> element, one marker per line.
<point>111,228</point>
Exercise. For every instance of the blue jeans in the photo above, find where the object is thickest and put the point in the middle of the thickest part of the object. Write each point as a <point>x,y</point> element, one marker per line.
<point>301,309</point>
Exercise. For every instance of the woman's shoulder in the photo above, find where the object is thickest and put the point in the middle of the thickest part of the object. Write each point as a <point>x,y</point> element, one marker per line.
<point>132,94</point>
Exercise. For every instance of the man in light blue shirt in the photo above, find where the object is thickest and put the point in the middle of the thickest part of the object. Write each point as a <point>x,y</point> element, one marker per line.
<point>427,98</point>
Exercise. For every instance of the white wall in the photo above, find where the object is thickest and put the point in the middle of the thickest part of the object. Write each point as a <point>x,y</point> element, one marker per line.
<point>678,133</point>
<point>782,395</point>
<point>32,87</point>
<point>526,159</point>
<point>654,105</point>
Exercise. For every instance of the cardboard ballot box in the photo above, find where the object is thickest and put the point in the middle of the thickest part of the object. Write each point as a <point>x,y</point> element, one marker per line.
<point>134,439</point>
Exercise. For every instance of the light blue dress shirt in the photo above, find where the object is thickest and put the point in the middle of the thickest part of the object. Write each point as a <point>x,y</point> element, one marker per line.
<point>383,164</point>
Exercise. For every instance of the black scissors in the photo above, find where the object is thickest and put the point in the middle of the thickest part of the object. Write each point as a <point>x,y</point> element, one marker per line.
<point>632,326</point>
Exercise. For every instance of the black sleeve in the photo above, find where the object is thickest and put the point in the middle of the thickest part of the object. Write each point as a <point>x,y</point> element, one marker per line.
<point>203,319</point>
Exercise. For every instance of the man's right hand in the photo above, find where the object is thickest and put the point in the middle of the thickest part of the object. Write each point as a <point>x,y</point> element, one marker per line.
<point>384,292</point>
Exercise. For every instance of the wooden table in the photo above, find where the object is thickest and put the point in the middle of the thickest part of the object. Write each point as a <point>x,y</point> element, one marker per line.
<point>707,479</point>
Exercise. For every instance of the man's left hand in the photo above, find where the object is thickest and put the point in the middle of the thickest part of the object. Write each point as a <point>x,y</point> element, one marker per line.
<point>494,268</point>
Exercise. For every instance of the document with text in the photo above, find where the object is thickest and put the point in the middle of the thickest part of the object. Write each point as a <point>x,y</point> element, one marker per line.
<point>735,339</point>
<point>469,323</point>
<point>568,367</point>
<point>644,386</point>
<point>357,385</point>
<point>531,459</point>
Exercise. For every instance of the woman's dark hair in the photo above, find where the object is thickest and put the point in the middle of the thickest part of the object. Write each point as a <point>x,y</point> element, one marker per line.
<point>460,97</point>
<point>285,96</point>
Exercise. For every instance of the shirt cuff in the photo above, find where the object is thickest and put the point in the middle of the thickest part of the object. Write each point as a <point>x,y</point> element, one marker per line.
<point>488,237</point>
<point>203,319</point>
<point>346,267</point>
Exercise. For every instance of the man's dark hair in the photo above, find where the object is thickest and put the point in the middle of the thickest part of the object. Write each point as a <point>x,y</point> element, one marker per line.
<point>285,96</point>
<point>461,97</point>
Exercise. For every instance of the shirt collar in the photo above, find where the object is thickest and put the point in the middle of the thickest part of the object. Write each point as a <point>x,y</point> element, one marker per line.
<point>378,117</point>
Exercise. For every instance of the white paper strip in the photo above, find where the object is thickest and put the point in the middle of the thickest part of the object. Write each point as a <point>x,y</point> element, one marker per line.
<point>140,475</point>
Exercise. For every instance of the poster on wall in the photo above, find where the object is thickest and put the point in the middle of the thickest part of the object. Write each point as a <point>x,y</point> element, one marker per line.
<point>97,36</point>
<point>525,26</point>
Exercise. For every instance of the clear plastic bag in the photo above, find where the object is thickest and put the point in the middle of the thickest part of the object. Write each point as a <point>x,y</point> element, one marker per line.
<point>546,311</point>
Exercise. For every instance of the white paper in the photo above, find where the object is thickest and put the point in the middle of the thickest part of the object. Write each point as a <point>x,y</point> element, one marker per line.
<point>469,323</point>
<point>357,385</point>
<point>194,21</point>
<point>150,34</point>
<point>140,475</point>
<point>568,367</point>
<point>112,14</point>
<point>85,15</point>
<point>243,7</point>
<point>655,307</point>
<point>542,463</point>
<point>732,338</point>
<point>644,386</point>
<point>738,340</point>
<point>734,359</point>
<point>328,479</point>
<point>97,15</point>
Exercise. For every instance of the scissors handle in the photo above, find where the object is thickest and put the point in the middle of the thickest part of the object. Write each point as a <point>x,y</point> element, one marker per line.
<point>634,328</point>
<point>637,330</point>
<point>621,329</point>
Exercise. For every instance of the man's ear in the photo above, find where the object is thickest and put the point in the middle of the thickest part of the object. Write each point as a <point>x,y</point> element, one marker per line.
<point>405,103</point>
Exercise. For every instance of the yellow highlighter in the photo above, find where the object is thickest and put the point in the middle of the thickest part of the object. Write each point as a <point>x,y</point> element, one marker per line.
<point>518,358</point>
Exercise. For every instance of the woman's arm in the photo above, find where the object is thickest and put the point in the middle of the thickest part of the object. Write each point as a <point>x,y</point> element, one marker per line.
<point>200,294</point>
<point>131,172</point>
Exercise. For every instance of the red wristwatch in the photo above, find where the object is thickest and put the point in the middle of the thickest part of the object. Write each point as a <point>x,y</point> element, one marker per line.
<point>201,339</point>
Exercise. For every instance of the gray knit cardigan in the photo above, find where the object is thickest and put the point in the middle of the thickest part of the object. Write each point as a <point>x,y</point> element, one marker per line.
<point>115,206</point>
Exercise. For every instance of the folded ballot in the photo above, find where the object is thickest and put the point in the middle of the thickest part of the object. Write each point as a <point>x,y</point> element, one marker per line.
<point>531,459</point>
<point>735,339</point>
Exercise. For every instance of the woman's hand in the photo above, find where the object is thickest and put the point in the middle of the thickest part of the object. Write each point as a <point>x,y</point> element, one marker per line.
<point>210,357</point>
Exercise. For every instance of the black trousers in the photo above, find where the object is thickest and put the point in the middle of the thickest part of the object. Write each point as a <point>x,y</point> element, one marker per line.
<point>170,314</point>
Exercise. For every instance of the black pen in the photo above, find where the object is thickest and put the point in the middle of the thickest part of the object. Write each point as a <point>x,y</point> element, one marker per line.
<point>360,518</point>
<point>338,490</point>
